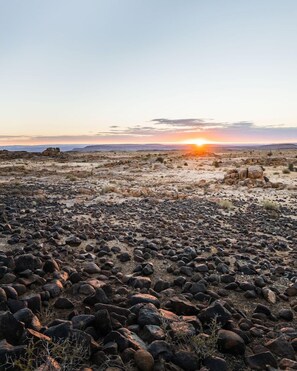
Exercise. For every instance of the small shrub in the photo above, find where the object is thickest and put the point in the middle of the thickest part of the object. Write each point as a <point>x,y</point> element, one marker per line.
<point>226,204</point>
<point>71,177</point>
<point>286,171</point>
<point>291,167</point>
<point>205,345</point>
<point>270,205</point>
<point>69,355</point>
<point>160,159</point>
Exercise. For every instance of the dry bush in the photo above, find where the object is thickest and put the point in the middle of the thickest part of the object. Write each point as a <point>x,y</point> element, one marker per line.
<point>68,354</point>
<point>114,362</point>
<point>270,205</point>
<point>202,344</point>
<point>48,314</point>
<point>226,204</point>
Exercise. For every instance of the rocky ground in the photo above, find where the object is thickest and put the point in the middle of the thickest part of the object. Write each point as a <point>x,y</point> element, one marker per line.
<point>147,261</point>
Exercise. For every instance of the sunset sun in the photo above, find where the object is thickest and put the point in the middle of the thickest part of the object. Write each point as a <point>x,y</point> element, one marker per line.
<point>199,142</point>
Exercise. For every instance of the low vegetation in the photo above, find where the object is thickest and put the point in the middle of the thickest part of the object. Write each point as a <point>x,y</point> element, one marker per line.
<point>226,204</point>
<point>270,205</point>
<point>66,355</point>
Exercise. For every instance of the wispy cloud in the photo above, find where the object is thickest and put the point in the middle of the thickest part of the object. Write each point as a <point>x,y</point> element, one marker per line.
<point>165,129</point>
<point>172,130</point>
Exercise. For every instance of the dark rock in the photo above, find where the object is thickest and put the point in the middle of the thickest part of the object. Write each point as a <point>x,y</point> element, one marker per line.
<point>54,288</point>
<point>160,349</point>
<point>149,315</point>
<point>10,328</point>
<point>73,241</point>
<point>161,285</point>
<point>102,322</point>
<point>140,282</point>
<point>125,339</point>
<point>50,266</point>
<point>215,364</point>
<point>152,333</point>
<point>281,347</point>
<point>215,310</point>
<point>260,308</point>
<point>144,298</point>
<point>34,302</point>
<point>124,257</point>
<point>292,290</point>
<point>186,360</point>
<point>15,305</point>
<point>113,309</point>
<point>286,314</point>
<point>82,321</point>
<point>144,360</point>
<point>183,307</point>
<point>29,319</point>
<point>27,261</point>
<point>63,303</point>
<point>261,360</point>
<point>59,332</point>
<point>230,342</point>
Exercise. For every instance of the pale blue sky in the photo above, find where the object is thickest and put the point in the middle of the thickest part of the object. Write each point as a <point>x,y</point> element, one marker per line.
<point>70,69</point>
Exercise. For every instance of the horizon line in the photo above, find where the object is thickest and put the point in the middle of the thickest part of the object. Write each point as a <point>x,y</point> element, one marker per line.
<point>143,144</point>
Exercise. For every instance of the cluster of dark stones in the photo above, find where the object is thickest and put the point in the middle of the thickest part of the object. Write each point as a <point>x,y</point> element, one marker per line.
<point>136,283</point>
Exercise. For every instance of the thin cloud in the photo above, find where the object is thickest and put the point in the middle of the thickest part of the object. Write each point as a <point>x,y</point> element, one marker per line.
<point>172,130</point>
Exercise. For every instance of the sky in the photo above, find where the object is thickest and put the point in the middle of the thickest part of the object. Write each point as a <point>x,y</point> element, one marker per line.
<point>148,71</point>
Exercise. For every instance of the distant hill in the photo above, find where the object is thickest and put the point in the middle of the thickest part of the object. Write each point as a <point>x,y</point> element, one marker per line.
<point>133,147</point>
<point>176,147</point>
<point>40,148</point>
<point>278,146</point>
<point>149,147</point>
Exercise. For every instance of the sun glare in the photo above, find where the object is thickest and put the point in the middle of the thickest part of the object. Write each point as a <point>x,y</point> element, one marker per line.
<point>199,142</point>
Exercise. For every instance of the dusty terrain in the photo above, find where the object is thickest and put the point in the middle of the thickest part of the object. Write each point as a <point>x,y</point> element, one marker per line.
<point>147,261</point>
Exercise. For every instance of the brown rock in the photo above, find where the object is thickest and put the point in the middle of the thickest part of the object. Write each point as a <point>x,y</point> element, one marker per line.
<point>144,360</point>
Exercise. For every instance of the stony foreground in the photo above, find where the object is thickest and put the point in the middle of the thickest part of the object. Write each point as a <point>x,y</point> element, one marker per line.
<point>145,283</point>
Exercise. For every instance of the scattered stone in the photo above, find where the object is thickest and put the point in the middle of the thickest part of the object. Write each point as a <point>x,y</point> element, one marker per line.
<point>144,360</point>
<point>230,342</point>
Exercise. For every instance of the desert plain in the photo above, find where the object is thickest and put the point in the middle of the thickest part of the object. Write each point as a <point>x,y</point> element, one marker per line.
<point>148,260</point>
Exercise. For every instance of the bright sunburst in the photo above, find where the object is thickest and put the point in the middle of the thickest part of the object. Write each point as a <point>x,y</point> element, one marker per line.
<point>198,141</point>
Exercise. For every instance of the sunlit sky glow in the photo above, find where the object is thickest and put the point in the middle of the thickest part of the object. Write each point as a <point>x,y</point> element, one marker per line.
<point>147,71</point>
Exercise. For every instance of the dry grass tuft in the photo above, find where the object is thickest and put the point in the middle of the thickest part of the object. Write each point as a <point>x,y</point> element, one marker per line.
<point>226,204</point>
<point>66,355</point>
<point>270,205</point>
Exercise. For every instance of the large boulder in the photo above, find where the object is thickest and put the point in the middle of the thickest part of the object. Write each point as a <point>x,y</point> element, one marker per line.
<point>255,172</point>
<point>252,175</point>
